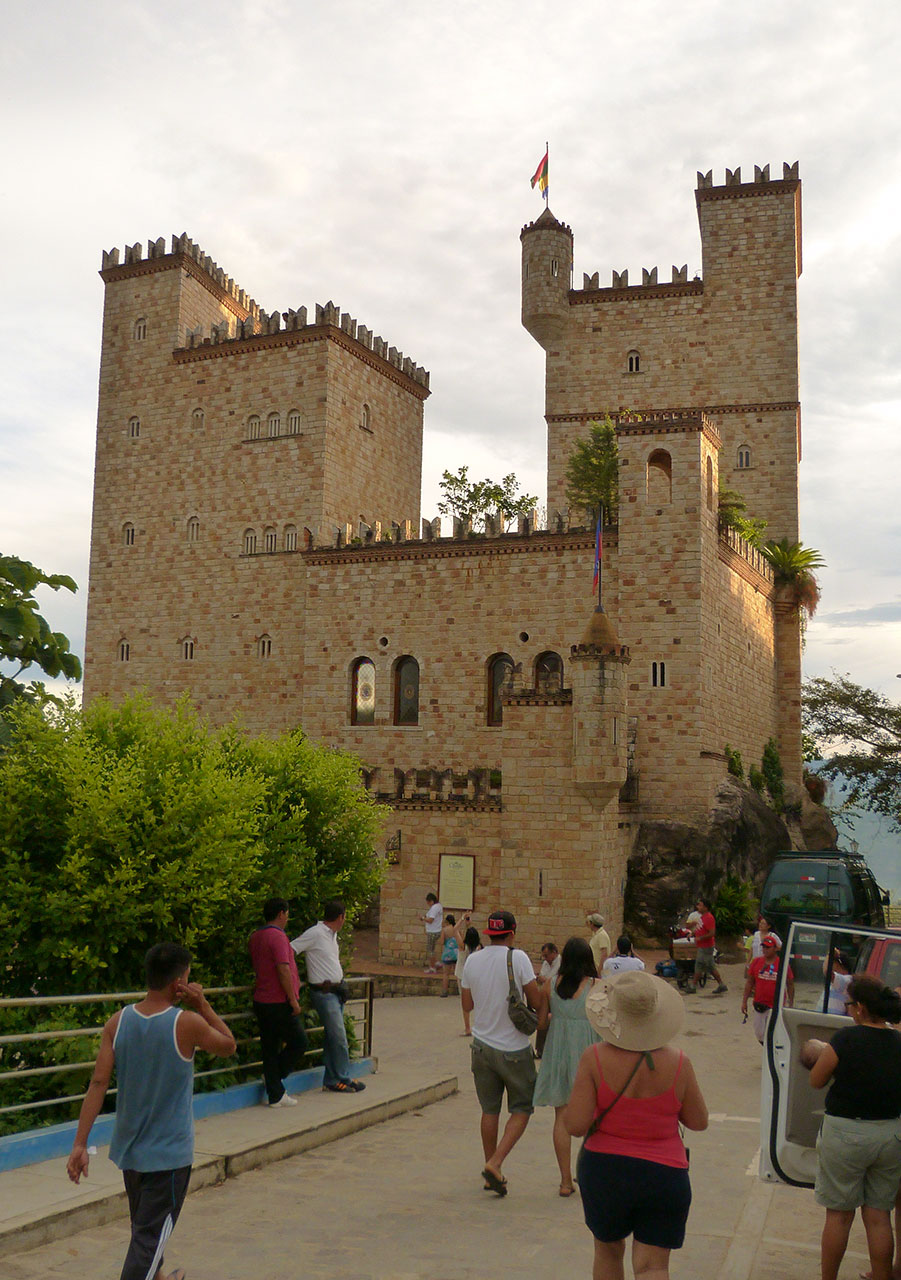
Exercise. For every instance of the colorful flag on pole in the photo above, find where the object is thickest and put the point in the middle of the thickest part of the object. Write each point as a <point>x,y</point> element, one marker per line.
<point>598,555</point>
<point>539,178</point>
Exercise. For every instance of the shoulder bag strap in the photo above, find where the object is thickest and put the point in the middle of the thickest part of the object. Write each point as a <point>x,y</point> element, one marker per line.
<point>598,1120</point>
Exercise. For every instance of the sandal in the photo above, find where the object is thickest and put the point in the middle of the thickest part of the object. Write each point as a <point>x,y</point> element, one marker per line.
<point>493,1182</point>
<point>566,1191</point>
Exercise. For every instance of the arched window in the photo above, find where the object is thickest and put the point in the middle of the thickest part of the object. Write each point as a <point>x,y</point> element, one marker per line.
<point>134,428</point>
<point>362,692</point>
<point>270,539</point>
<point>253,427</point>
<point>549,672</point>
<point>709,484</point>
<point>634,362</point>
<point>500,677</point>
<point>264,646</point>
<point>744,457</point>
<point>366,418</point>
<point>406,691</point>
<point>250,542</point>
<point>275,425</point>
<point>290,537</point>
<point>187,649</point>
<point>128,535</point>
<point>660,478</point>
<point>124,650</point>
<point>293,423</point>
<point>555,267</point>
<point>658,675</point>
<point>194,529</point>
<point>197,418</point>
<point>139,332</point>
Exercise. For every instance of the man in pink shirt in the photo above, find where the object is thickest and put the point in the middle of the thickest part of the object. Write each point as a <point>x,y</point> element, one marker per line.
<point>283,1040</point>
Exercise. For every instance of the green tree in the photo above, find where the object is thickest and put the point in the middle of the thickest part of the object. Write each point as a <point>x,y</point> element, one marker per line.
<point>732,514</point>
<point>475,500</point>
<point>592,472</point>
<point>793,567</point>
<point>26,639</point>
<point>121,826</point>
<point>858,733</point>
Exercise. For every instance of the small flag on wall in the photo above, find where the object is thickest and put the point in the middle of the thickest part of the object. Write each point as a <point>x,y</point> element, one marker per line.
<point>539,178</point>
<point>598,555</point>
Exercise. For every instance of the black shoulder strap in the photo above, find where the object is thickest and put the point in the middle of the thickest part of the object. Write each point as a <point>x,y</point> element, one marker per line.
<point>598,1120</point>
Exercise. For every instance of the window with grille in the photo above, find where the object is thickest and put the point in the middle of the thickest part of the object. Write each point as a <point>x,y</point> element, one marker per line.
<point>253,428</point>
<point>290,537</point>
<point>293,423</point>
<point>275,425</point>
<point>250,542</point>
<point>406,691</point>
<point>362,692</point>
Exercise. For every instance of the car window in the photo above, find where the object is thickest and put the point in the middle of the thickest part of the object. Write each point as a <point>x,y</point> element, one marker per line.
<point>891,964</point>
<point>810,948</point>
<point>803,888</point>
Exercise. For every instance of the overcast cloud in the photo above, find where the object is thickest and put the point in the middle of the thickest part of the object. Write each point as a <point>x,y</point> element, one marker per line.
<point>379,155</point>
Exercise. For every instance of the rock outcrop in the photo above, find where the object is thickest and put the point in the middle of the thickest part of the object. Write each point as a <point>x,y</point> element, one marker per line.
<point>672,862</point>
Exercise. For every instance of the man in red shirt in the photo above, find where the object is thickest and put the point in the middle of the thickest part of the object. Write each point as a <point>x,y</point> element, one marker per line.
<point>762,975</point>
<point>283,1040</point>
<point>705,938</point>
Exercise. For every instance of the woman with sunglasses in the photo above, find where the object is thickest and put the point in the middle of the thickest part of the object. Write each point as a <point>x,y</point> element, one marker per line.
<point>859,1147</point>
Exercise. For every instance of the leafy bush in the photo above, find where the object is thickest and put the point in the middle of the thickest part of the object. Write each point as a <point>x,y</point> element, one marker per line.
<point>733,762</point>
<point>771,765</point>
<point>736,906</point>
<point>757,780</point>
<point>123,826</point>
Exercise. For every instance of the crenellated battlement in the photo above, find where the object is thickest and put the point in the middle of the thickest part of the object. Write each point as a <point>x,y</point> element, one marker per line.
<point>790,174</point>
<point>183,247</point>
<point>651,285</point>
<point>255,322</point>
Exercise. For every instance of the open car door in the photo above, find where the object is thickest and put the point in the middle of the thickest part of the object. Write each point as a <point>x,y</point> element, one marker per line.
<point>790,1110</point>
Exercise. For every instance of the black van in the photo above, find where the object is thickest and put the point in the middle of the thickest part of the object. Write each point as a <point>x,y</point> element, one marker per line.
<point>828,886</point>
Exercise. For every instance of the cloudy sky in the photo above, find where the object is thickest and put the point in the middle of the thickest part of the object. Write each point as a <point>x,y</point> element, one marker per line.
<point>378,154</point>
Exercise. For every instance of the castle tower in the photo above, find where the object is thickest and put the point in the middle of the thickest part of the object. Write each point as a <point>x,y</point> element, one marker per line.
<point>229,441</point>
<point>724,344</point>
<point>547,263</point>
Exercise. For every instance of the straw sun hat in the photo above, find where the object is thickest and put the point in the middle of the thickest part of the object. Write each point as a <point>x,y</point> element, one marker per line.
<point>635,1010</point>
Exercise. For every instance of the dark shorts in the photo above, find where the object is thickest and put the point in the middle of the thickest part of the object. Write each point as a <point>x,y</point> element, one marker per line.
<point>622,1196</point>
<point>495,1070</point>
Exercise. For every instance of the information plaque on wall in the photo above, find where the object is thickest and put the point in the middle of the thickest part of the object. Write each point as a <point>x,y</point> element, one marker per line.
<point>456,881</point>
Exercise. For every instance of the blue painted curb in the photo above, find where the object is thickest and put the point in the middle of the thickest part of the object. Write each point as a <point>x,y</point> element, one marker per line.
<point>35,1145</point>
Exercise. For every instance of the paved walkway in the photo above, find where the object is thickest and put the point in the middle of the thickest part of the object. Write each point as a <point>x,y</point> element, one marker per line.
<point>403,1200</point>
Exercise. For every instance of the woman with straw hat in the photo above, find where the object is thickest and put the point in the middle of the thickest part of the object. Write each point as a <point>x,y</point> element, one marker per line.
<point>630,1095</point>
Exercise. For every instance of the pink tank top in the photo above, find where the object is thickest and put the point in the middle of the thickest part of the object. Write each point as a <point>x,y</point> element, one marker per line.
<point>644,1128</point>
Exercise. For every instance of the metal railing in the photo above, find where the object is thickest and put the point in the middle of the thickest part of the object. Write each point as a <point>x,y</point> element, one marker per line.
<point>360,1006</point>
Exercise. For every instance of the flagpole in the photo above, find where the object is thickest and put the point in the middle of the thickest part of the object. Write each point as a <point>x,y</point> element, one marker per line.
<point>600,608</point>
<point>547,152</point>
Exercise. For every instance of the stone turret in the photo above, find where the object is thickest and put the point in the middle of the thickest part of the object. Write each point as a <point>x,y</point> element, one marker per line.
<point>547,264</point>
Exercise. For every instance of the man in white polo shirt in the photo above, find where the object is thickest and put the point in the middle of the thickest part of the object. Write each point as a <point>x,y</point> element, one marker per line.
<point>501,1056</point>
<point>325,978</point>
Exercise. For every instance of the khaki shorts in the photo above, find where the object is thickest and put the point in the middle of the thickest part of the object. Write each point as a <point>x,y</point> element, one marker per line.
<point>859,1163</point>
<point>704,960</point>
<point>495,1070</point>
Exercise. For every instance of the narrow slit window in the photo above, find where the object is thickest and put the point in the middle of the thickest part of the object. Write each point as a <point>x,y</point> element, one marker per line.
<point>744,458</point>
<point>658,675</point>
<point>124,651</point>
<point>634,362</point>
<point>128,535</point>
<point>187,649</point>
<point>134,428</point>
<point>264,646</point>
<point>194,529</point>
<point>500,679</point>
<point>366,418</point>
<point>140,329</point>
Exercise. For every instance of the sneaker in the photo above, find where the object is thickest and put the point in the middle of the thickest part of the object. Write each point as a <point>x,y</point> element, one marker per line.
<point>340,1086</point>
<point>718,991</point>
<point>285,1100</point>
<point>357,1085</point>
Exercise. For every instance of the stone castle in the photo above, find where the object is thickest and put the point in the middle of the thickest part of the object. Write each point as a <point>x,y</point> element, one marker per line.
<point>257,544</point>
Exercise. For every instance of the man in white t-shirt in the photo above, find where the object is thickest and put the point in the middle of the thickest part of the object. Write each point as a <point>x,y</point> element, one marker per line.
<point>623,960</point>
<point>433,919</point>
<point>501,1056</point>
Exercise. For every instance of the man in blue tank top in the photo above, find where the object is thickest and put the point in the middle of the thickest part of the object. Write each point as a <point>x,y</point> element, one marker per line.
<point>151,1045</point>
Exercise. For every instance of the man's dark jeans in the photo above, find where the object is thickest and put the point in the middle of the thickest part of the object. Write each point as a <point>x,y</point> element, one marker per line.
<point>283,1043</point>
